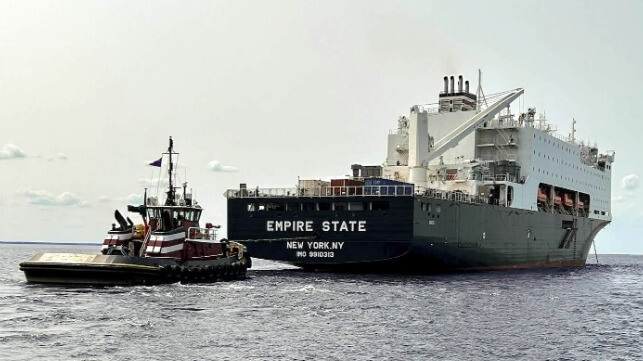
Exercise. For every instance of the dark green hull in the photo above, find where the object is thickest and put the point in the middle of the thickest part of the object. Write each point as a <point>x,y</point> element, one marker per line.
<point>419,234</point>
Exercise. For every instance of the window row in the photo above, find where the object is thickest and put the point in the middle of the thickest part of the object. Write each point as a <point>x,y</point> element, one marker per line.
<point>318,206</point>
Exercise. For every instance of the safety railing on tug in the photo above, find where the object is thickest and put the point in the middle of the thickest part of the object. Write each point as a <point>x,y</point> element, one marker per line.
<point>198,234</point>
<point>352,191</point>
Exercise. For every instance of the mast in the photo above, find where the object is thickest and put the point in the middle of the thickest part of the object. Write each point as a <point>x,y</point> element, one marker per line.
<point>170,192</point>
<point>573,131</point>
<point>479,91</point>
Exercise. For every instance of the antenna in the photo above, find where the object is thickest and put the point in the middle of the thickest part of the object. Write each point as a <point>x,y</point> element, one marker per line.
<point>479,91</point>
<point>170,192</point>
<point>573,130</point>
<point>480,94</point>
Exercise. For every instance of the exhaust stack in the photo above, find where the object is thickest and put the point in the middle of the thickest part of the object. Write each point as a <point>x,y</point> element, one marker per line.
<point>455,100</point>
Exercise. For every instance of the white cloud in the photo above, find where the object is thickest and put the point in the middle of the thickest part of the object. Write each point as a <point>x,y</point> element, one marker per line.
<point>630,182</point>
<point>11,151</point>
<point>133,198</point>
<point>61,156</point>
<point>44,198</point>
<point>216,166</point>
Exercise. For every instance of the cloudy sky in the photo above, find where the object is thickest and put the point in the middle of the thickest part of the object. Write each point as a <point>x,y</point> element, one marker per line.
<point>265,91</point>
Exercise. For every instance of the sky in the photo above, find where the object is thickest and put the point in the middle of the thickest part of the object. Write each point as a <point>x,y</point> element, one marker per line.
<point>263,92</point>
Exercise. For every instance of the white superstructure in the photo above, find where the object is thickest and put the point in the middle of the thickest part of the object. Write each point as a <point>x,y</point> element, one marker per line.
<point>476,145</point>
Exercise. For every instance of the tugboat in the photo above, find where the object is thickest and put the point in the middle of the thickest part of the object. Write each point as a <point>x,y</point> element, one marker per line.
<point>170,246</point>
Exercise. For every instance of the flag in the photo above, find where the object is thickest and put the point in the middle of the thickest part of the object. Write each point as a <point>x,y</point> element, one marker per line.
<point>157,163</point>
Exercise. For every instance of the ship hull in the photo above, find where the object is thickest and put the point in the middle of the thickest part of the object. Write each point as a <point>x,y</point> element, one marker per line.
<point>412,233</point>
<point>87,269</point>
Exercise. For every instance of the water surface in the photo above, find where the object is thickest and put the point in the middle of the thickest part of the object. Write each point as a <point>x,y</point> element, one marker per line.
<point>593,313</point>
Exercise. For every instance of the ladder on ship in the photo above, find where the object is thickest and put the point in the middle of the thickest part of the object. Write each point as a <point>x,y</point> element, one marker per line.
<point>569,236</point>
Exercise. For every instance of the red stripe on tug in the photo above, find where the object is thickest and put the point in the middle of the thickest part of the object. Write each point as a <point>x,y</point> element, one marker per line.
<point>114,241</point>
<point>166,246</point>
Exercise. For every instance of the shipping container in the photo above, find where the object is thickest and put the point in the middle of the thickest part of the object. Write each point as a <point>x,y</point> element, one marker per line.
<point>343,187</point>
<point>382,186</point>
<point>312,187</point>
<point>345,183</point>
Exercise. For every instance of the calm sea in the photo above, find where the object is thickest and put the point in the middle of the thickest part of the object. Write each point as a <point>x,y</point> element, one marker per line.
<point>594,313</point>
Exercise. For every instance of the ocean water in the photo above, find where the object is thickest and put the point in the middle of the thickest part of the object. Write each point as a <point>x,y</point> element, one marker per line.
<point>280,313</point>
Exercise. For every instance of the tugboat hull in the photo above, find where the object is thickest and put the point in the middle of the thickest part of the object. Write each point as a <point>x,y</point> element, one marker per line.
<point>87,269</point>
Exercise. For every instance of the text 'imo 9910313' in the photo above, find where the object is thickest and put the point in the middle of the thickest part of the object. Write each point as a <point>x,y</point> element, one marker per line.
<point>466,185</point>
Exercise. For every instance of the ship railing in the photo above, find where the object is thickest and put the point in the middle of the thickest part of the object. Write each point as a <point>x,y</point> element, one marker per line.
<point>456,196</point>
<point>505,177</point>
<point>323,191</point>
<point>505,123</point>
<point>198,234</point>
<point>496,157</point>
<point>544,126</point>
<point>357,191</point>
<point>430,109</point>
<point>495,141</point>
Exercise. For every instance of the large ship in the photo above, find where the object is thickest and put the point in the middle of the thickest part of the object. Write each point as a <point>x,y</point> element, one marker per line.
<point>467,185</point>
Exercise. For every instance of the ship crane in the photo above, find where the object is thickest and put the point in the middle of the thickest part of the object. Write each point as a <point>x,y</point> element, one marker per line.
<point>455,136</point>
<point>421,153</point>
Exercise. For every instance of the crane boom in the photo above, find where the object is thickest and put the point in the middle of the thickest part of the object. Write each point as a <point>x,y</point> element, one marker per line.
<point>455,136</point>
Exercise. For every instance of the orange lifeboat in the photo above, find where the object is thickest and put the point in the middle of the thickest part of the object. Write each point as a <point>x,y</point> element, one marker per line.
<point>557,200</point>
<point>569,202</point>
<point>581,204</point>
<point>542,197</point>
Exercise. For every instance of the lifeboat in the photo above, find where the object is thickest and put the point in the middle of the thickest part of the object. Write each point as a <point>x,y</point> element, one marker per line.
<point>170,247</point>
<point>542,196</point>
<point>557,200</point>
<point>581,204</point>
<point>567,200</point>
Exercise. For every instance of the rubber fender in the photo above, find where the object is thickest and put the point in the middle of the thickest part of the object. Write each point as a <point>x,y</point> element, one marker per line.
<point>210,273</point>
<point>176,271</point>
<point>218,272</point>
<point>166,271</point>
<point>201,273</point>
<point>185,273</point>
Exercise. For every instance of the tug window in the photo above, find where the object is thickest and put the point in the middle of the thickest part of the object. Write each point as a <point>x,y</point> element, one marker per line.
<point>251,207</point>
<point>178,215</point>
<point>154,213</point>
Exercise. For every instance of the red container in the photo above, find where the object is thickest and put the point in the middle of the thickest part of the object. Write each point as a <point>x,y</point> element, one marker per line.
<point>345,183</point>
<point>346,186</point>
